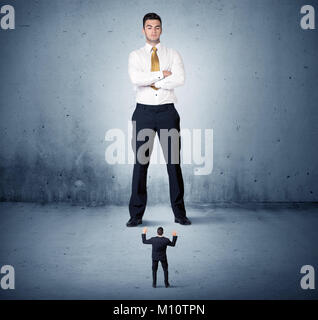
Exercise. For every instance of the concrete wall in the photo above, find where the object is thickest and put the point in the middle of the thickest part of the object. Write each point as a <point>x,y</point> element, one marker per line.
<point>251,76</point>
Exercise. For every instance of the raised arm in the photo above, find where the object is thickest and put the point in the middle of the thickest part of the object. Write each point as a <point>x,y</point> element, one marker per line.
<point>174,240</point>
<point>144,240</point>
<point>177,77</point>
<point>139,77</point>
<point>143,237</point>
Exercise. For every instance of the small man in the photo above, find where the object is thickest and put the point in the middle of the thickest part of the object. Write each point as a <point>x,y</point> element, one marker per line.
<point>159,248</point>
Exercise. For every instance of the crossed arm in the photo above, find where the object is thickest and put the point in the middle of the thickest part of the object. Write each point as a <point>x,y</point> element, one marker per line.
<point>160,79</point>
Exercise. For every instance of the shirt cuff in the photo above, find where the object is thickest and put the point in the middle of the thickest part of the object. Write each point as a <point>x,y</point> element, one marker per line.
<point>158,75</point>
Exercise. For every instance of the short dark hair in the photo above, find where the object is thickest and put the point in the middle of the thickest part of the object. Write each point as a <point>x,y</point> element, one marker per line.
<point>151,16</point>
<point>160,231</point>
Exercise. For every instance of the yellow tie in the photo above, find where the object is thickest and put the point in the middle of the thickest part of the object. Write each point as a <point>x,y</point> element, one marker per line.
<point>155,66</point>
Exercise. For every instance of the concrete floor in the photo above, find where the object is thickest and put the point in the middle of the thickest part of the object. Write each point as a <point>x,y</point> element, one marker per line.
<point>232,251</point>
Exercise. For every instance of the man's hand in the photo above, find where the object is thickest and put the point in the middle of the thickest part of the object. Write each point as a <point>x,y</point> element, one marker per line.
<point>144,230</point>
<point>174,233</point>
<point>166,73</point>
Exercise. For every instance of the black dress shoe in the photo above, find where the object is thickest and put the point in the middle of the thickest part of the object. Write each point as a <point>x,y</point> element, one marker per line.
<point>167,285</point>
<point>184,220</point>
<point>133,222</point>
<point>154,285</point>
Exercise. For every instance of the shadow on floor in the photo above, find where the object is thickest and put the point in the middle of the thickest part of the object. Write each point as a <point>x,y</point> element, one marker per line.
<point>194,220</point>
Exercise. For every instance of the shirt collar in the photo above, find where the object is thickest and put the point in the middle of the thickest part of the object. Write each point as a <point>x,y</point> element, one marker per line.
<point>148,47</point>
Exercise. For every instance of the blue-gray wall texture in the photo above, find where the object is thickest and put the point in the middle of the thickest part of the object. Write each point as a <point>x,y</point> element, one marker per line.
<point>251,76</point>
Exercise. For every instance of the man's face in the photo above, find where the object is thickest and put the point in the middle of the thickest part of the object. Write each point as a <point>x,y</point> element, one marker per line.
<point>152,30</point>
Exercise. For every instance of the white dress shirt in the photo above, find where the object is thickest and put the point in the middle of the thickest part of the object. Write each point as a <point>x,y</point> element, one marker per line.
<point>139,66</point>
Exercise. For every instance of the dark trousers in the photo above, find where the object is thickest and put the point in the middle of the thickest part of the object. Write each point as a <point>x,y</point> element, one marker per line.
<point>156,118</point>
<point>164,264</point>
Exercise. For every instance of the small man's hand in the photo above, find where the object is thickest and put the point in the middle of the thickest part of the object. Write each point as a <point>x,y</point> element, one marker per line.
<point>174,233</point>
<point>144,230</point>
<point>166,73</point>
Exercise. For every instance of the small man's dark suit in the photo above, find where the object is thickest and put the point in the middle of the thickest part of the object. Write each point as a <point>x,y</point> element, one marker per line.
<point>159,248</point>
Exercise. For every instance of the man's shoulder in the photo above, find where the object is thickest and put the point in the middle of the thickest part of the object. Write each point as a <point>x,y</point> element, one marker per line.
<point>169,49</point>
<point>160,239</point>
<point>137,51</point>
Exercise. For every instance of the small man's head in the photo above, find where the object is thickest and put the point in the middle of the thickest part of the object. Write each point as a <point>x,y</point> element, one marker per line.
<point>152,27</point>
<point>160,231</point>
